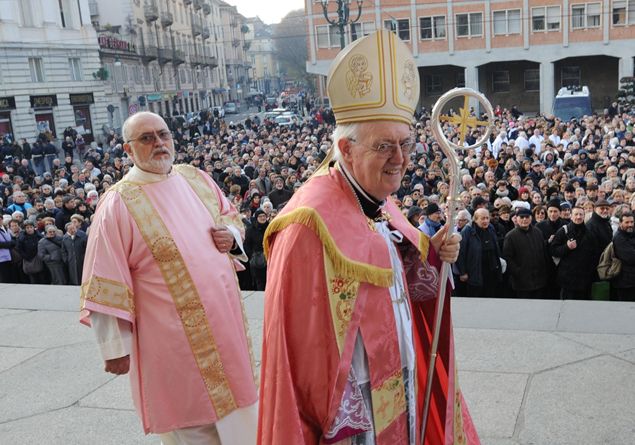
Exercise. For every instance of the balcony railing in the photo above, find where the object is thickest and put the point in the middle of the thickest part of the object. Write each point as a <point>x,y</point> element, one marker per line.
<point>151,13</point>
<point>211,61</point>
<point>196,60</point>
<point>207,9</point>
<point>165,55</point>
<point>166,19</point>
<point>205,33</point>
<point>178,57</point>
<point>149,53</point>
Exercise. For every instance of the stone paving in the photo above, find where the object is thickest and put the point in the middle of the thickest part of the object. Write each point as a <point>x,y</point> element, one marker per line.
<point>533,372</point>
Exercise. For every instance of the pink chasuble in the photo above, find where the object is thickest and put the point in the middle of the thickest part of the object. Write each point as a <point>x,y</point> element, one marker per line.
<point>151,261</point>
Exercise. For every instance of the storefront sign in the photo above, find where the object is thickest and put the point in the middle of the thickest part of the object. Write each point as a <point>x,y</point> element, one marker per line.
<point>110,42</point>
<point>44,101</point>
<point>156,96</point>
<point>7,103</point>
<point>82,99</point>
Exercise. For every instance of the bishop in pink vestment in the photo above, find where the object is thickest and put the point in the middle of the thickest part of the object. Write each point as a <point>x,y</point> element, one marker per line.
<point>157,287</point>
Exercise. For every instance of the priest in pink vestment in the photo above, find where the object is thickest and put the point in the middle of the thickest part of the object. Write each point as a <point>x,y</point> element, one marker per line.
<point>351,284</point>
<point>160,291</point>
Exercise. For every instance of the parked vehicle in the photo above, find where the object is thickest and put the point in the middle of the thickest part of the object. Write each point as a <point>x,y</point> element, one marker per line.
<point>572,103</point>
<point>231,108</point>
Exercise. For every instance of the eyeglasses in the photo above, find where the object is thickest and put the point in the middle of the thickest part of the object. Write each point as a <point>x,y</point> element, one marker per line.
<point>387,149</point>
<point>149,138</point>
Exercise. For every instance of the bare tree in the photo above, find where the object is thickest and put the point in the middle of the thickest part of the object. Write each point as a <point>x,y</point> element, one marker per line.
<point>290,40</point>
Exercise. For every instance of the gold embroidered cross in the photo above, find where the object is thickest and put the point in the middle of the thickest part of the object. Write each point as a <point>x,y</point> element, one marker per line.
<point>464,120</point>
<point>382,407</point>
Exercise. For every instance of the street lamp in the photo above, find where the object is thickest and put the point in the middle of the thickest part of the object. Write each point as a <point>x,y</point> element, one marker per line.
<point>343,15</point>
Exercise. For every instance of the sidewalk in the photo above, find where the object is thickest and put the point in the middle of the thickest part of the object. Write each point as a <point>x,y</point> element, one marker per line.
<point>533,372</point>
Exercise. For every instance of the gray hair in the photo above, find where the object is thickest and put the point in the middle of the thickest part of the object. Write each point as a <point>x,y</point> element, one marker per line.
<point>344,131</point>
<point>50,226</point>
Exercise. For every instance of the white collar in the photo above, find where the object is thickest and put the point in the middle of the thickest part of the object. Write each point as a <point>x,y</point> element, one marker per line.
<point>144,177</point>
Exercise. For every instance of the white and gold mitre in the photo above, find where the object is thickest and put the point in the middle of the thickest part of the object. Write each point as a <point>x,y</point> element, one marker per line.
<point>374,78</point>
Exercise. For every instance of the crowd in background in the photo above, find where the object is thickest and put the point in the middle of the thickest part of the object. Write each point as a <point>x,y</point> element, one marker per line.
<point>535,176</point>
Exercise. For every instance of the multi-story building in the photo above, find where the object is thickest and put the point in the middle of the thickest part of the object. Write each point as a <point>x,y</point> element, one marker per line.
<point>48,54</point>
<point>517,52</point>
<point>261,54</point>
<point>159,55</point>
<point>233,30</point>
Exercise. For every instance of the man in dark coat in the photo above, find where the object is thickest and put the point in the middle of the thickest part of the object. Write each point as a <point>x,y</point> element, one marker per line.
<point>624,247</point>
<point>254,236</point>
<point>64,215</point>
<point>279,195</point>
<point>524,251</point>
<point>73,252</point>
<point>573,244</point>
<point>599,227</point>
<point>479,257</point>
<point>548,228</point>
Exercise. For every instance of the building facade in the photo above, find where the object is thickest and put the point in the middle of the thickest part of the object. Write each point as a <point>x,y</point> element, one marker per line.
<point>48,54</point>
<point>517,52</point>
<point>165,56</point>
<point>261,54</point>
<point>233,30</point>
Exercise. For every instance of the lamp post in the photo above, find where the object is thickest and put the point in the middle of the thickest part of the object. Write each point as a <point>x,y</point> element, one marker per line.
<point>343,15</point>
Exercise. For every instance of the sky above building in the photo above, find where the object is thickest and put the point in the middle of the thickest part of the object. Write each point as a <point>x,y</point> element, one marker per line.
<point>269,11</point>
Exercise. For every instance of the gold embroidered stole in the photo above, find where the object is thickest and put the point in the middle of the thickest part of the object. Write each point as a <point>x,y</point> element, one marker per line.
<point>184,294</point>
<point>209,200</point>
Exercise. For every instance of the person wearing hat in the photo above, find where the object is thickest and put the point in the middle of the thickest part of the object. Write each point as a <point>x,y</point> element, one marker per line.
<point>432,223</point>
<point>565,212</point>
<point>524,250</point>
<point>340,294</point>
<point>600,230</point>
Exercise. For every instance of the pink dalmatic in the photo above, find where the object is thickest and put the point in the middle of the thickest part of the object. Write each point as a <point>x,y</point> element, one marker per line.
<point>171,387</point>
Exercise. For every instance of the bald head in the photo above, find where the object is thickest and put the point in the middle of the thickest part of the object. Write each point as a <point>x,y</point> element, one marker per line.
<point>127,129</point>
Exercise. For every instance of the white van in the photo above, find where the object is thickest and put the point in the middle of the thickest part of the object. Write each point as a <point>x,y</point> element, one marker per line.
<point>572,102</point>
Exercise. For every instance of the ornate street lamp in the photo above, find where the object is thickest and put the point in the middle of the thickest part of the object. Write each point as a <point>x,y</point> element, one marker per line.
<point>343,15</point>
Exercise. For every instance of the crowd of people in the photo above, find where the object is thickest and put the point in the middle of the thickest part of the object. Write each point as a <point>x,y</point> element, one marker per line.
<point>572,183</point>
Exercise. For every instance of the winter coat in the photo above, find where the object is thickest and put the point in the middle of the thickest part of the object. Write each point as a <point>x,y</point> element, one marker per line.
<point>624,247</point>
<point>50,250</point>
<point>470,259</point>
<point>28,245</point>
<point>73,252</point>
<point>601,235</point>
<point>575,271</point>
<point>526,256</point>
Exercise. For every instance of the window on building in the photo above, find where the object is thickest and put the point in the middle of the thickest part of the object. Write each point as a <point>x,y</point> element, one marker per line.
<point>623,12</point>
<point>322,35</point>
<point>532,80</point>
<point>359,30</point>
<point>146,75</point>
<point>570,76</point>
<point>431,28</point>
<point>585,15</point>
<point>500,81</point>
<point>401,27</point>
<point>37,70</point>
<point>433,84</point>
<point>334,36</point>
<point>76,68</point>
<point>137,75</point>
<point>545,18</point>
<point>507,22</point>
<point>469,25</point>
